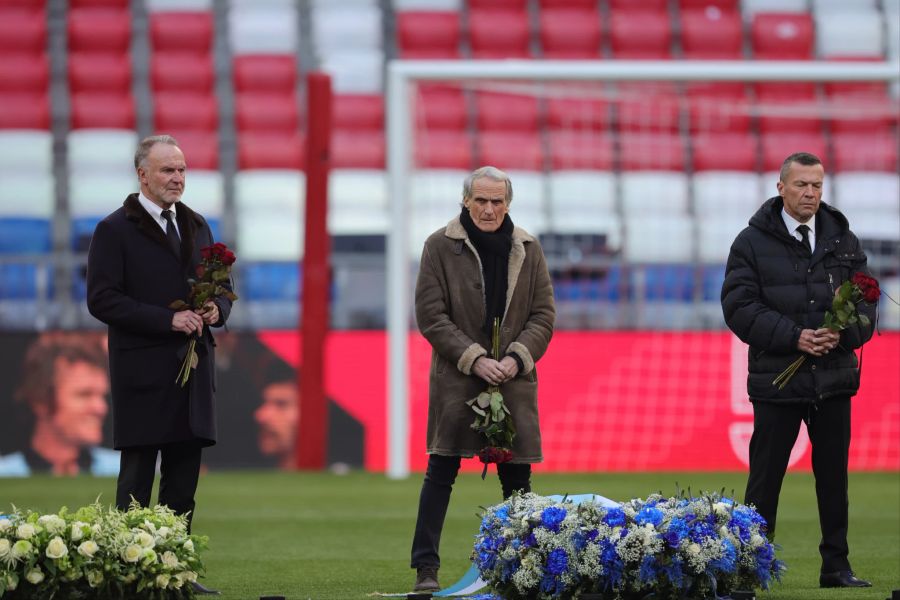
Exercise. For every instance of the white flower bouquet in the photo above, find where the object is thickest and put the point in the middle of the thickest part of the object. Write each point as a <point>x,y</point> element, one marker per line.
<point>97,552</point>
<point>535,548</point>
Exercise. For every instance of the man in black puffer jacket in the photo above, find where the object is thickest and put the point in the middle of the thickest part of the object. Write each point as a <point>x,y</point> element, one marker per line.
<point>780,279</point>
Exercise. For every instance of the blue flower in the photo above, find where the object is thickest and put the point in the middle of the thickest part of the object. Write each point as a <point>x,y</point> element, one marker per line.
<point>557,561</point>
<point>614,517</point>
<point>552,516</point>
<point>502,513</point>
<point>649,514</point>
<point>700,530</point>
<point>648,570</point>
<point>727,562</point>
<point>530,540</point>
<point>676,532</point>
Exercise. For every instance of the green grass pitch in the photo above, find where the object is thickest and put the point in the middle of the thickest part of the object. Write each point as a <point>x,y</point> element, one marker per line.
<point>331,537</point>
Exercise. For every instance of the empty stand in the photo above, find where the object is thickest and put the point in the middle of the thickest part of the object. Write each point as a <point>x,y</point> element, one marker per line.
<point>444,150</point>
<point>24,73</point>
<point>266,112</point>
<point>569,33</point>
<point>97,110</point>
<point>724,152</point>
<point>182,31</point>
<point>581,150</point>
<point>498,33</point>
<point>182,72</point>
<point>358,112</point>
<point>100,72</point>
<point>23,31</point>
<point>26,153</point>
<point>782,36</point>
<point>711,32</point>
<point>513,149</point>
<point>185,111</point>
<point>265,73</point>
<point>508,112</point>
<point>270,151</point>
<point>440,107</point>
<point>99,30</point>
<point>428,34</point>
<point>640,33</point>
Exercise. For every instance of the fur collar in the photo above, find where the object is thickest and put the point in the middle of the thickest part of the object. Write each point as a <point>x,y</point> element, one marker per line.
<point>456,231</point>
<point>188,222</point>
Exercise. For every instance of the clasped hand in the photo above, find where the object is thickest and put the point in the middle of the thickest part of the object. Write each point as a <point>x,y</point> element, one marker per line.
<point>191,321</point>
<point>496,372</point>
<point>818,342</point>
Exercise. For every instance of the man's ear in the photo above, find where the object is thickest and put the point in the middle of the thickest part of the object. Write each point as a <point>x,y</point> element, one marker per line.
<point>780,186</point>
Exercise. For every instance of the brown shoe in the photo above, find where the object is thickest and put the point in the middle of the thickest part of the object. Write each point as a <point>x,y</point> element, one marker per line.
<point>426,580</point>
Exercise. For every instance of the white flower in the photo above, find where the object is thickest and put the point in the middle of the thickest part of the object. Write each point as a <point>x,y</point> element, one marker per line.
<point>52,523</point>
<point>34,576</point>
<point>189,545</point>
<point>21,549</point>
<point>129,578</point>
<point>144,539</point>
<point>88,548</point>
<point>94,578</point>
<point>169,559</point>
<point>25,531</point>
<point>5,524</point>
<point>4,547</point>
<point>756,540</point>
<point>162,581</point>
<point>77,531</point>
<point>163,532</point>
<point>190,576</point>
<point>149,526</point>
<point>56,548</point>
<point>132,553</point>
<point>694,548</point>
<point>149,556</point>
<point>12,581</point>
<point>96,529</point>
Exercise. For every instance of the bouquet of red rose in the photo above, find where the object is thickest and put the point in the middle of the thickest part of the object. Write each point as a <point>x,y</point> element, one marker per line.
<point>213,272</point>
<point>860,288</point>
<point>492,417</point>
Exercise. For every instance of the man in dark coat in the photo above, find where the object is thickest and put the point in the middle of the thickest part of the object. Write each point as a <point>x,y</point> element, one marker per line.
<point>139,261</point>
<point>780,279</point>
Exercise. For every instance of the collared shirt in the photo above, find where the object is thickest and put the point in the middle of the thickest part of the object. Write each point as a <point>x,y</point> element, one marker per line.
<point>156,212</point>
<point>792,224</point>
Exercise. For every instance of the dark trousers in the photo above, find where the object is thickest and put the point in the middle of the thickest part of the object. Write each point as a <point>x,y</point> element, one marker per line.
<point>775,429</point>
<point>179,470</point>
<point>435,498</point>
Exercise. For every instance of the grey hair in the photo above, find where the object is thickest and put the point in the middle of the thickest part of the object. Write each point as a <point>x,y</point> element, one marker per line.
<point>491,173</point>
<point>147,143</point>
<point>803,158</point>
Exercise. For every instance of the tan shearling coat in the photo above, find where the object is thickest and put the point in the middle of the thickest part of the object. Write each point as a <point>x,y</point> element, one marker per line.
<point>450,311</point>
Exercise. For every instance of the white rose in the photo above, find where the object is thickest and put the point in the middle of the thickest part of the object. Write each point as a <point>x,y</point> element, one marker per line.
<point>77,532</point>
<point>189,545</point>
<point>56,548</point>
<point>88,548</point>
<point>694,548</point>
<point>4,547</point>
<point>163,532</point>
<point>149,526</point>
<point>721,509</point>
<point>25,531</point>
<point>129,578</point>
<point>12,581</point>
<point>162,581</point>
<point>20,549</point>
<point>169,559</point>
<point>176,583</point>
<point>756,540</point>
<point>132,553</point>
<point>5,524</point>
<point>52,523</point>
<point>188,576</point>
<point>34,576</point>
<point>149,556</point>
<point>145,539</point>
<point>94,578</point>
<point>96,529</point>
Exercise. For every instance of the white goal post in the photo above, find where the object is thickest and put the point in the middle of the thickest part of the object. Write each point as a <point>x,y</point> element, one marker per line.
<point>399,140</point>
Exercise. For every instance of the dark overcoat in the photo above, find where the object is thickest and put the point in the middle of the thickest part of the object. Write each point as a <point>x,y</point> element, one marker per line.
<point>132,277</point>
<point>774,288</point>
<point>450,311</point>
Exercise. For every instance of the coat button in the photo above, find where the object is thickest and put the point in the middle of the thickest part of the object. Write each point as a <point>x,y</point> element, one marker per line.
<point>809,270</point>
<point>813,367</point>
<point>812,301</point>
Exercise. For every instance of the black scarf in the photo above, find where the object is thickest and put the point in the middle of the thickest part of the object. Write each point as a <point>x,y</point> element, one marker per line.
<point>493,250</point>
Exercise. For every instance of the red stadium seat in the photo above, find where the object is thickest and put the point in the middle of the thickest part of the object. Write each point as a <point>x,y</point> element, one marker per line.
<point>573,149</point>
<point>578,113</point>
<point>625,5</point>
<point>873,114</point>
<point>499,33</point>
<point>723,5</point>
<point>778,146</point>
<point>510,150</point>
<point>200,147</point>
<point>789,106</point>
<point>182,72</point>
<point>641,34</point>
<point>443,150</point>
<point>24,73</point>
<point>777,36</point>
<point>651,152</point>
<point>440,107</point>
<point>102,110</point>
<point>564,4</point>
<point>271,151</point>
<point>181,32</point>
<point>711,113</point>
<point>122,4</point>
<point>99,72</point>
<point>647,111</point>
<point>23,4</point>
<point>357,112</point>
<point>99,30</point>
<point>865,152</point>
<point>735,90</point>
<point>856,88</point>
<point>521,5</point>
<point>506,111</point>
<point>711,33</point>
<point>568,33</point>
<point>265,73</point>
<point>432,33</point>
<point>357,150</point>
<point>23,30</point>
<point>266,112</point>
<point>724,152</point>
<point>24,111</point>
<point>185,112</point>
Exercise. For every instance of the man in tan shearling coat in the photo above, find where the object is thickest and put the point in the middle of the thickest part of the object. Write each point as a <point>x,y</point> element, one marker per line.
<point>478,267</point>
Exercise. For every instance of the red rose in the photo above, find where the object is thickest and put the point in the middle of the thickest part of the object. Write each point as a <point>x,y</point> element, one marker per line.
<point>492,454</point>
<point>868,286</point>
<point>206,253</point>
<point>228,258</point>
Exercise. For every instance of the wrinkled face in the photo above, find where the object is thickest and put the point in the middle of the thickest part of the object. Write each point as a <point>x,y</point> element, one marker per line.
<point>802,190</point>
<point>81,406</point>
<point>277,418</point>
<point>162,175</point>
<point>487,205</point>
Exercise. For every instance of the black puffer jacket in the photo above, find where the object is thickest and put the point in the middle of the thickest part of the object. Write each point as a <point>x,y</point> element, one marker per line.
<point>773,288</point>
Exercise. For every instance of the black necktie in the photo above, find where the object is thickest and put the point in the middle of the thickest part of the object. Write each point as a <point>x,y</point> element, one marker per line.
<point>172,233</point>
<point>804,231</point>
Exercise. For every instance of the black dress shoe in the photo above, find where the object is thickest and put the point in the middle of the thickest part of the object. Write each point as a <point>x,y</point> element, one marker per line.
<point>842,579</point>
<point>202,590</point>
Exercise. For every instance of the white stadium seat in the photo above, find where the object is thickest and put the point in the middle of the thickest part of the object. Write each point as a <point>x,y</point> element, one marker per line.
<point>440,5</point>
<point>23,195</point>
<point>439,188</point>
<point>866,191</point>
<point>339,28</point>
<point>179,5</point>
<point>97,195</point>
<point>751,7</point>
<point>357,202</point>
<point>736,192</point>
<point>356,72</point>
<point>26,151</point>
<point>263,29</point>
<point>106,151</point>
<point>577,189</point>
<point>204,192</point>
<point>857,32</point>
<point>269,212</point>
<point>654,192</point>
<point>653,238</point>
<point>715,235</point>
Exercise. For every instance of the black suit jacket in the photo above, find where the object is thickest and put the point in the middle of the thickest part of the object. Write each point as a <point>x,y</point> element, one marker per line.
<point>132,277</point>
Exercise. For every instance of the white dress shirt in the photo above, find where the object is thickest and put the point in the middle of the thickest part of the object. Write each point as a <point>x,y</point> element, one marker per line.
<point>792,224</point>
<point>156,212</point>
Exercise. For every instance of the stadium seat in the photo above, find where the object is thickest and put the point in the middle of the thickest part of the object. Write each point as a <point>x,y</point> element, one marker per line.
<point>497,33</point>
<point>651,238</point>
<point>724,152</point>
<point>428,34</point>
<point>647,110</point>
<point>24,235</point>
<point>719,114</point>
<point>850,32</point>
<point>674,282</point>
<point>264,281</point>
<point>820,6</point>
<point>111,152</point>
<point>863,152</point>
<point>567,4</point>
<point>341,28</point>
<point>578,113</point>
<point>506,112</point>
<point>26,153</point>
<point>176,5</point>
<point>875,226</point>
<point>180,72</point>
<point>437,188</point>
<point>182,31</point>
<point>529,206</point>
<point>782,36</point>
<point>358,112</point>
<point>263,29</point>
<point>23,196</point>
<point>519,5</point>
<point>201,148</point>
<point>24,111</point>
<point>23,31</point>
<point>103,111</point>
<point>99,72</point>
<point>99,30</point>
<point>722,5</point>
<point>357,150</point>
<point>640,34</point>
<point>357,202</point>
<point>120,4</point>
<point>18,281</point>
<point>91,198</point>
<point>853,90</point>
<point>185,112</point>
<point>512,149</point>
<point>865,112</point>
<point>646,5</point>
<point>261,112</point>
<point>716,231</point>
<point>778,146</point>
<point>359,72</point>
<point>271,150</point>
<point>788,107</point>
<point>710,32</point>
<point>866,191</point>
<point>584,202</point>
<point>269,210</point>
<point>409,5</point>
<point>581,149</point>
<point>661,193</point>
<point>651,152</point>
<point>204,191</point>
<point>440,107</point>
<point>734,193</point>
<point>24,73</point>
<point>265,73</point>
<point>722,90</point>
<point>567,33</point>
<point>443,150</point>
<point>752,7</point>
